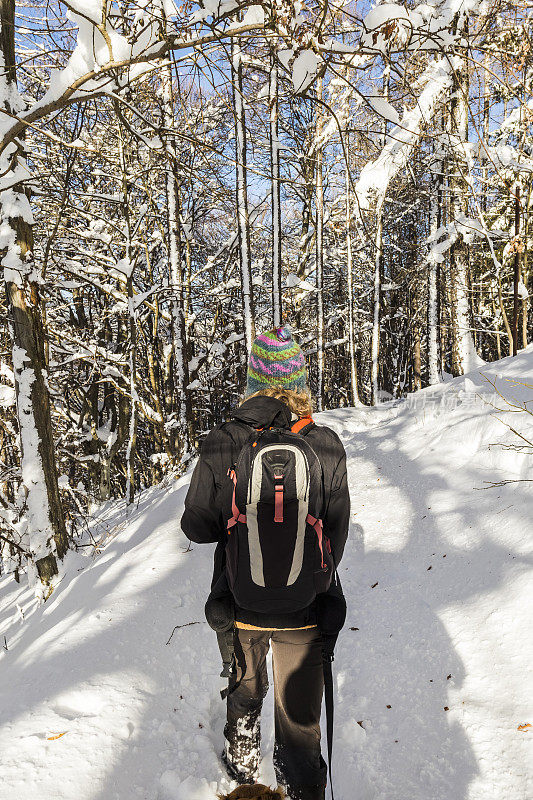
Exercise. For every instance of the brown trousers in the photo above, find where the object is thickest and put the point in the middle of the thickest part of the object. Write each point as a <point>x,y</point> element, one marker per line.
<point>298,688</point>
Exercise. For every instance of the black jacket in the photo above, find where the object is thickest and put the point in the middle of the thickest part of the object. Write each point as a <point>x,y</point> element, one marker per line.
<point>206,505</point>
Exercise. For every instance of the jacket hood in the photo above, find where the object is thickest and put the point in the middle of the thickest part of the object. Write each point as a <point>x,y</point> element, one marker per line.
<point>263,412</point>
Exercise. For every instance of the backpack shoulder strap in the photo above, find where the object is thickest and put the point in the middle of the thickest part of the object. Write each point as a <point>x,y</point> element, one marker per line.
<point>303,425</point>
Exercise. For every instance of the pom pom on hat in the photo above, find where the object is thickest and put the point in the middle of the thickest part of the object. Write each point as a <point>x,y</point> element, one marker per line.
<point>284,333</point>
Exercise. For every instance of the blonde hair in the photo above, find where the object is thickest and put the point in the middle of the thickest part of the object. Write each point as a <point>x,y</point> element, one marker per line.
<point>300,403</point>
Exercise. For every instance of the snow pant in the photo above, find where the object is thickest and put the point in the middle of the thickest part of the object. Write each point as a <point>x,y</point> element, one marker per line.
<point>298,689</point>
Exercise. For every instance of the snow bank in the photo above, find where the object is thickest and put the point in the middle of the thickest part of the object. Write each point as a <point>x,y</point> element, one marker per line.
<point>99,701</point>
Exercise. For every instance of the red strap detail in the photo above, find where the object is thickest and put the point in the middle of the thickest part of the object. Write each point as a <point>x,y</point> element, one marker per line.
<point>237,516</point>
<point>317,525</point>
<point>278,502</point>
<point>301,423</point>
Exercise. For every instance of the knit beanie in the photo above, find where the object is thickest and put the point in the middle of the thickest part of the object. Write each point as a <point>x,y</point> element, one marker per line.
<point>276,360</point>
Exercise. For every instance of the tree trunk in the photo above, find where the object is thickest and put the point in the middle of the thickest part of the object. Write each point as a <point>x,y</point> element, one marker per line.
<point>516,271</point>
<point>130,322</point>
<point>433,283</point>
<point>243,220</point>
<point>305,247</point>
<point>374,369</point>
<point>353,393</point>
<point>319,250</point>
<point>46,523</point>
<point>275,191</point>
<point>464,356</point>
<point>181,440</point>
<point>503,312</point>
<point>417,357</point>
<point>525,281</point>
<point>118,433</point>
<point>306,238</point>
<point>378,263</point>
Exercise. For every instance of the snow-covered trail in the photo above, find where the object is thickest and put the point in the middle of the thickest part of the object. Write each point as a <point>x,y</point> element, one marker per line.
<point>433,668</point>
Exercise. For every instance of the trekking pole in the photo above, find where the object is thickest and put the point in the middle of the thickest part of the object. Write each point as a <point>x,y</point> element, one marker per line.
<point>327,660</point>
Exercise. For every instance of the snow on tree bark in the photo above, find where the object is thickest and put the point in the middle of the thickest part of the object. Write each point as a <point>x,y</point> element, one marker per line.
<point>47,537</point>
<point>377,175</point>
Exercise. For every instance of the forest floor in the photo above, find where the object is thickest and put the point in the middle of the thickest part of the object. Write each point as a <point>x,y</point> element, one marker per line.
<point>433,669</point>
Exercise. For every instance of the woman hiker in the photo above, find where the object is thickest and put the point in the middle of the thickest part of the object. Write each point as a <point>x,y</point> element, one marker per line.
<point>257,482</point>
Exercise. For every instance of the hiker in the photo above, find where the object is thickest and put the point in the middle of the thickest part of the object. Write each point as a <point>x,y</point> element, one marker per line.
<point>270,488</point>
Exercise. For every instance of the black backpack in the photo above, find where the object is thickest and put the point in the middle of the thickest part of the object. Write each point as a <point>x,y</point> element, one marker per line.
<point>277,557</point>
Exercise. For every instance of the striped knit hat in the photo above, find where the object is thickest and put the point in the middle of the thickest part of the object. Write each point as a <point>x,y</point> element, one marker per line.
<point>276,360</point>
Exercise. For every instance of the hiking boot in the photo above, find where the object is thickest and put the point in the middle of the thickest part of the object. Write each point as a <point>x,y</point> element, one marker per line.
<point>242,751</point>
<point>234,773</point>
